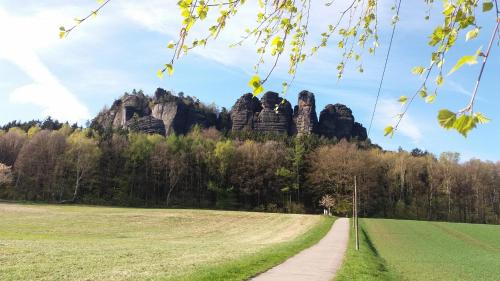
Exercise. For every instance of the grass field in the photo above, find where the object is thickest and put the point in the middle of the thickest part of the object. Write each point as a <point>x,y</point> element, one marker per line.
<point>419,250</point>
<point>365,264</point>
<point>50,242</point>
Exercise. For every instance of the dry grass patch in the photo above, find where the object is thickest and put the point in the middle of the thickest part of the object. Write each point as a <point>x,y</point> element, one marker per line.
<point>47,242</point>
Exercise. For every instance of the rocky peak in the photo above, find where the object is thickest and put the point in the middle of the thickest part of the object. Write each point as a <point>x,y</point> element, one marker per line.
<point>164,113</point>
<point>243,111</point>
<point>275,116</point>
<point>359,132</point>
<point>336,121</point>
<point>305,118</point>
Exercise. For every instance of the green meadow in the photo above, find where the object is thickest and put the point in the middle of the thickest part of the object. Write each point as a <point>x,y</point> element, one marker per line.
<point>422,250</point>
<point>58,242</point>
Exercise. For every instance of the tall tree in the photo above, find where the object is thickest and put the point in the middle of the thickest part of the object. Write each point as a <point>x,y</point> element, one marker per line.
<point>11,144</point>
<point>83,153</point>
<point>5,175</point>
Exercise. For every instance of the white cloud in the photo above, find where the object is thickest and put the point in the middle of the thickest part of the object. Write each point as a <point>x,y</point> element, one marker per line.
<point>23,36</point>
<point>387,111</point>
<point>456,87</point>
<point>164,17</point>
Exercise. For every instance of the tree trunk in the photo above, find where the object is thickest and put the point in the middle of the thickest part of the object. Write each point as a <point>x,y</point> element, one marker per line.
<point>77,186</point>
<point>168,195</point>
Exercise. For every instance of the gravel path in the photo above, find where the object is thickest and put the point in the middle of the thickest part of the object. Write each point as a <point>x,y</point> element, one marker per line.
<point>319,262</point>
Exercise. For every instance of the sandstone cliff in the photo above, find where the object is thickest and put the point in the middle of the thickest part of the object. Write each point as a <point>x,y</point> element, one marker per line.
<point>304,116</point>
<point>162,114</point>
<point>275,116</point>
<point>243,112</point>
<point>165,113</point>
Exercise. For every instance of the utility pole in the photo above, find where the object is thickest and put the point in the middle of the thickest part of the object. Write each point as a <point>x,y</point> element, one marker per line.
<point>353,212</point>
<point>356,228</point>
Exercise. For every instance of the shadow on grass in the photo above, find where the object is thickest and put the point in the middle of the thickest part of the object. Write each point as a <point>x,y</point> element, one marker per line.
<point>366,264</point>
<point>381,263</point>
<point>369,242</point>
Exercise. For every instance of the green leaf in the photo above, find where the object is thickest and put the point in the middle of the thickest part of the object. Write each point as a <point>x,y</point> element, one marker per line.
<point>171,45</point>
<point>160,73</point>
<point>389,131</point>
<point>480,118</point>
<point>402,99</point>
<point>446,118</point>
<point>277,45</point>
<point>487,6</point>
<point>470,60</point>
<point>256,85</point>
<point>464,124</point>
<point>423,92</point>
<point>439,80</point>
<point>437,36</point>
<point>430,99</point>
<point>170,69</point>
<point>62,34</point>
<point>276,41</point>
<point>418,70</point>
<point>202,11</point>
<point>448,9</point>
<point>472,34</point>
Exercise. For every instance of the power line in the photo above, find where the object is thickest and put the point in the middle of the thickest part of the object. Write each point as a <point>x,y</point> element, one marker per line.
<point>385,68</point>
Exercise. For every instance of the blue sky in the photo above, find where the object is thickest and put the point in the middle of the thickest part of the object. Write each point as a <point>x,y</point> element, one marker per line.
<point>123,47</point>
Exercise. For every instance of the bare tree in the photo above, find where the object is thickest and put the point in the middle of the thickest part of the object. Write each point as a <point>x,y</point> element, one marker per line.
<point>327,201</point>
<point>11,144</point>
<point>5,175</point>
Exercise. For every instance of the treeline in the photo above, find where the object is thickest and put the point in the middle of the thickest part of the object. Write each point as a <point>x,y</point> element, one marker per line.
<point>244,171</point>
<point>47,124</point>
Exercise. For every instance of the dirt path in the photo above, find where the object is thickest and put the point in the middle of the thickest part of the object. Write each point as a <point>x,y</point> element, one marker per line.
<point>320,262</point>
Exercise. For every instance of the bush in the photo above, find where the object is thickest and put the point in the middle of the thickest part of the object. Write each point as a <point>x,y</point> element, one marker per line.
<point>296,208</point>
<point>272,208</point>
<point>259,208</point>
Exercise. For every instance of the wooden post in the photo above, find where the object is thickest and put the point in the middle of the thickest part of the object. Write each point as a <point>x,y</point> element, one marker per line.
<point>353,212</point>
<point>356,213</point>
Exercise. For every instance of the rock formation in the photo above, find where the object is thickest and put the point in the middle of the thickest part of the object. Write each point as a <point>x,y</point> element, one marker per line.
<point>243,112</point>
<point>165,113</point>
<point>336,121</point>
<point>305,120</point>
<point>359,132</point>
<point>124,109</point>
<point>275,116</point>
<point>146,124</point>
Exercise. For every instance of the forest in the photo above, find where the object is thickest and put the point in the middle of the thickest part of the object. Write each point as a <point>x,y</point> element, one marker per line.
<point>206,168</point>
